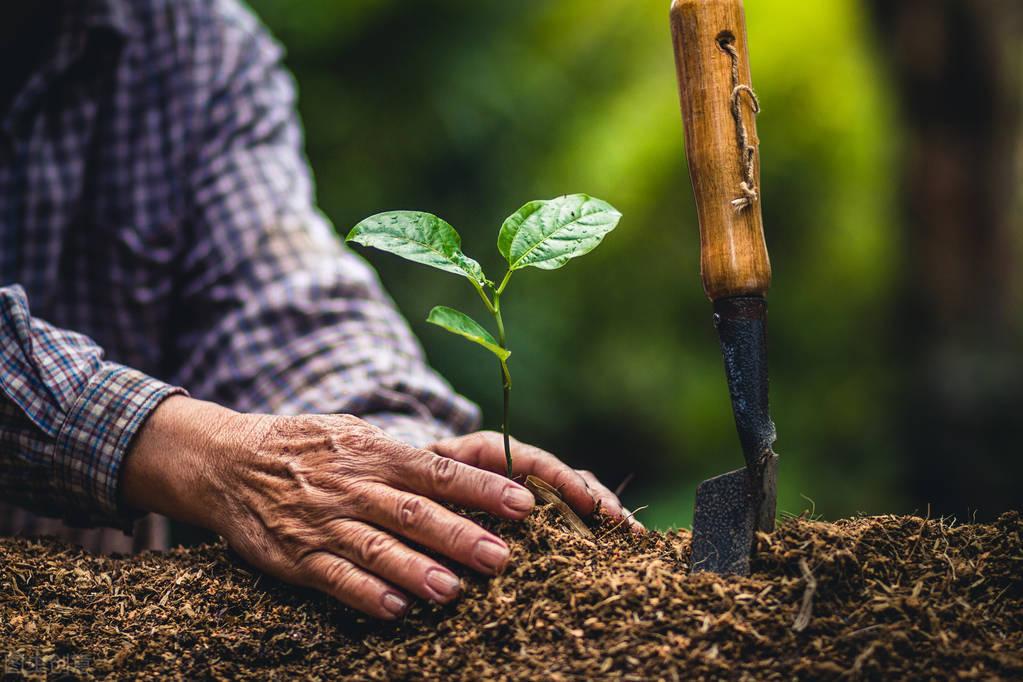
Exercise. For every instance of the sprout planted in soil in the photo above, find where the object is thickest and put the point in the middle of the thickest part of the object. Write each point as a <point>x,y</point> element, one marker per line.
<point>541,234</point>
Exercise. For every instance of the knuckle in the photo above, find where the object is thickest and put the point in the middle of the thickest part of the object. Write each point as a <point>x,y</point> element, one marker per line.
<point>340,575</point>
<point>412,513</point>
<point>374,547</point>
<point>457,535</point>
<point>415,565</point>
<point>443,471</point>
<point>488,485</point>
<point>564,477</point>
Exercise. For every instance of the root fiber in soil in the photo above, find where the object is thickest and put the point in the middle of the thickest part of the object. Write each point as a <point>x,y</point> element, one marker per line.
<point>867,598</point>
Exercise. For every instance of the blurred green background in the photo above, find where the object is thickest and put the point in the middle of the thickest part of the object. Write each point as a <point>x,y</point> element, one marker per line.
<point>468,109</point>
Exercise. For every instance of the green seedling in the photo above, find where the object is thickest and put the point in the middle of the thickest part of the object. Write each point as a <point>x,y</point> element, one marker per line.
<point>541,234</point>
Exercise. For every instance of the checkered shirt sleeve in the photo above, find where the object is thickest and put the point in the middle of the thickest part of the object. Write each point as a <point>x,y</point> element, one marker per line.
<point>262,308</point>
<point>70,416</point>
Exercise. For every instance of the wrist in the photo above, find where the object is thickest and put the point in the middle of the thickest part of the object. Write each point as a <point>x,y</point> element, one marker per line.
<point>175,464</point>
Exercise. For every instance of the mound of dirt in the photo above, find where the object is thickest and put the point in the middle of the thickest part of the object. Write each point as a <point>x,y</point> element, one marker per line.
<point>868,598</point>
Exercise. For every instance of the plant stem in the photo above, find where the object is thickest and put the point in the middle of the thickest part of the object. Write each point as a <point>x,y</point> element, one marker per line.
<point>504,282</point>
<point>483,295</point>
<point>504,422</point>
<point>505,374</point>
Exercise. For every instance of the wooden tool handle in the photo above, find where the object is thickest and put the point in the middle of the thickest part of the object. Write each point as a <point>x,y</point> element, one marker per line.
<point>708,36</point>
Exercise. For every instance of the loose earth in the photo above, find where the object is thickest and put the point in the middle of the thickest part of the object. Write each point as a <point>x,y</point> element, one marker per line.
<point>891,597</point>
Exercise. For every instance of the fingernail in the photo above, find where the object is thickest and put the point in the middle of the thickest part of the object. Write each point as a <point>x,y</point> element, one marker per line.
<point>518,499</point>
<point>443,582</point>
<point>491,555</point>
<point>395,604</point>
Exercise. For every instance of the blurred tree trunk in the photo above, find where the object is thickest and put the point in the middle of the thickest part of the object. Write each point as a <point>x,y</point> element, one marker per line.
<point>956,72</point>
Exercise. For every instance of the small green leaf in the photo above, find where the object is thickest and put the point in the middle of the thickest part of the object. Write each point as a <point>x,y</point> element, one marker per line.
<point>463,325</point>
<point>547,234</point>
<point>420,237</point>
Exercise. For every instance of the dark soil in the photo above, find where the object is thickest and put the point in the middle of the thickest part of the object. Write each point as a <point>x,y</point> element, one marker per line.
<point>869,598</point>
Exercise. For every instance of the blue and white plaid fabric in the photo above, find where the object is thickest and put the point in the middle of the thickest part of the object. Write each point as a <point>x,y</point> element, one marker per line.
<point>155,199</point>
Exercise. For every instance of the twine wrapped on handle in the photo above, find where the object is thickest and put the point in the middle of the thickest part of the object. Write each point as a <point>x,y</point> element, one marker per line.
<point>747,151</point>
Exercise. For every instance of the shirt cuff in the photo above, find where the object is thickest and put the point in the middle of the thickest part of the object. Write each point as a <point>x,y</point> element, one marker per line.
<point>94,438</point>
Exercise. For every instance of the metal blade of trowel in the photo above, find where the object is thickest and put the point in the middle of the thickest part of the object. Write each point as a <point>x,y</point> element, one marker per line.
<point>732,507</point>
<point>718,109</point>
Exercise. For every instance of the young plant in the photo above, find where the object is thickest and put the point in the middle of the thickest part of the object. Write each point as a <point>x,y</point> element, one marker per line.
<point>541,234</point>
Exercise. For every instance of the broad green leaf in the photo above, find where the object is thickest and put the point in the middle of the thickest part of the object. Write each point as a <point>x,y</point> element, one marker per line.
<point>420,237</point>
<point>547,234</point>
<point>463,325</point>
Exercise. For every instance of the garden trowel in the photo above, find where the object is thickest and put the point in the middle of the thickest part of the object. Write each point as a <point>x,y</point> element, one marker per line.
<point>718,110</point>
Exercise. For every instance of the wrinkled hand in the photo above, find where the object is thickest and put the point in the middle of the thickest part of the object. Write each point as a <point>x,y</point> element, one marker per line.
<point>325,501</point>
<point>322,500</point>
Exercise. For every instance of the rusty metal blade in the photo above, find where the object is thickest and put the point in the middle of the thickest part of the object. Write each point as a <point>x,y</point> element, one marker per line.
<point>730,509</point>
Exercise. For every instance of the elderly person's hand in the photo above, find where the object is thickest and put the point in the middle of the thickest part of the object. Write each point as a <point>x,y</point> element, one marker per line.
<point>325,501</point>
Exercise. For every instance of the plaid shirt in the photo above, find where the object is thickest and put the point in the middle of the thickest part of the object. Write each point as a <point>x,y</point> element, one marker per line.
<point>155,199</point>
